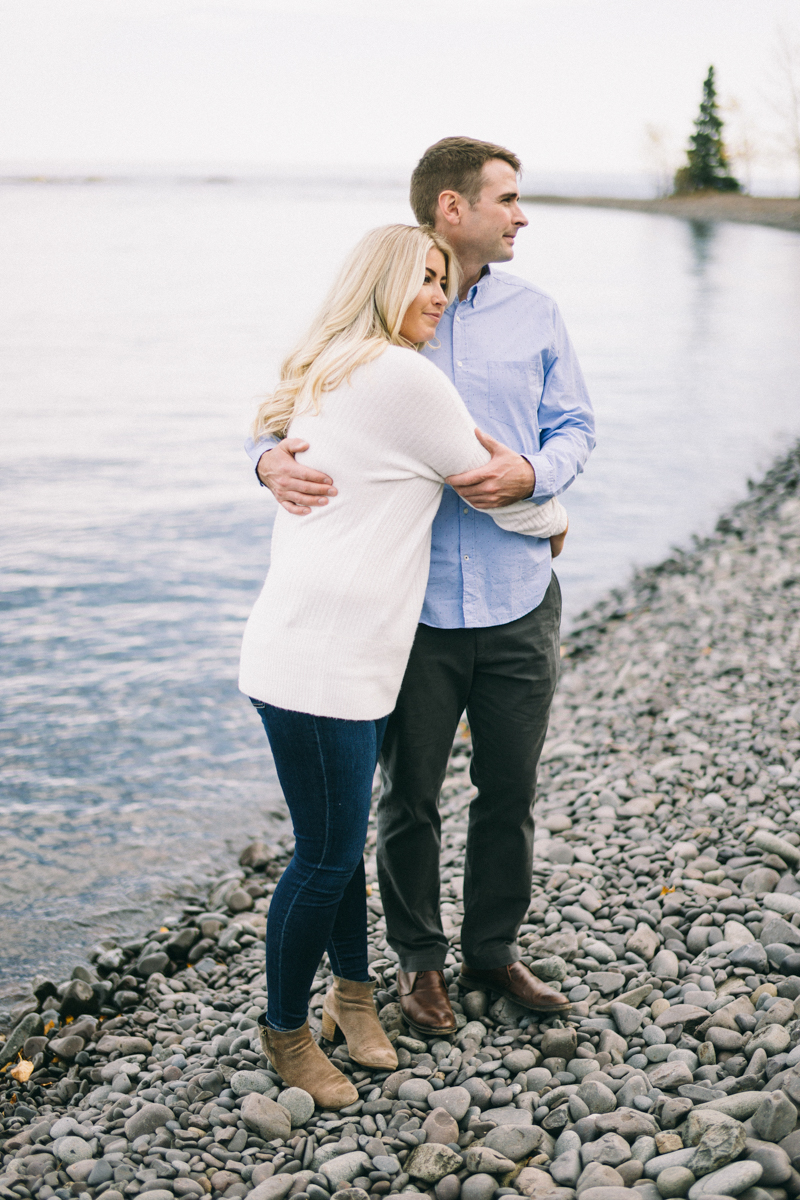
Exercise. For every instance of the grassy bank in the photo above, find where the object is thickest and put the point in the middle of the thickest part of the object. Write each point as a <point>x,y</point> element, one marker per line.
<point>780,213</point>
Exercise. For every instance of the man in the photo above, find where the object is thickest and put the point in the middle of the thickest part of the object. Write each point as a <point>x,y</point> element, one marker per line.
<point>488,638</point>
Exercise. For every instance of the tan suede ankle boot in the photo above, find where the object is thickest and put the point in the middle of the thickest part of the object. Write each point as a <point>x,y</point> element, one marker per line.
<point>350,1006</point>
<point>301,1063</point>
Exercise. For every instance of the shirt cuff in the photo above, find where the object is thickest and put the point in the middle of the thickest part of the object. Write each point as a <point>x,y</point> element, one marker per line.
<point>544,487</point>
<point>254,450</point>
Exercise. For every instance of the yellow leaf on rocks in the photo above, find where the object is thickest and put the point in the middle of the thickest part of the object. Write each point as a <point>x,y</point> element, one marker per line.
<point>369,889</point>
<point>163,929</point>
<point>22,1071</point>
<point>665,891</point>
<point>50,1025</point>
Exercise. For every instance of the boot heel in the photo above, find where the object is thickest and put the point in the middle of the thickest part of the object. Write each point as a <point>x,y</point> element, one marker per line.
<point>329,1027</point>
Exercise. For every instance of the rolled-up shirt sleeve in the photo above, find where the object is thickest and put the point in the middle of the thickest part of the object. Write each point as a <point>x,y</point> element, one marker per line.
<point>566,421</point>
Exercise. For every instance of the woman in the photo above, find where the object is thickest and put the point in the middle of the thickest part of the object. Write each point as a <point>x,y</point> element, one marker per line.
<point>327,642</point>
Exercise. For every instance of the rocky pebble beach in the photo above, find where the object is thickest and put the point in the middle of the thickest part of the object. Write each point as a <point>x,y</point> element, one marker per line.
<point>666,906</point>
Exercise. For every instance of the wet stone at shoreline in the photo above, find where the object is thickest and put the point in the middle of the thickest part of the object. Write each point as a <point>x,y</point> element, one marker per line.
<point>666,906</point>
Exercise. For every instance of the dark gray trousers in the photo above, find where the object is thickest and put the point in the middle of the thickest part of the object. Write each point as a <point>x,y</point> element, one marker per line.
<point>505,677</point>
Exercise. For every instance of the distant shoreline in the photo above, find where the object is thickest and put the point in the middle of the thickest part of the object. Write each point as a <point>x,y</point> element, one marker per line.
<point>780,213</point>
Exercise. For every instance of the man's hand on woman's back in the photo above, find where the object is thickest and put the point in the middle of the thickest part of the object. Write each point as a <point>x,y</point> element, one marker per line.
<point>298,489</point>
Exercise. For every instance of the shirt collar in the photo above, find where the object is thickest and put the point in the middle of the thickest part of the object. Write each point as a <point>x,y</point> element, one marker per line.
<point>477,290</point>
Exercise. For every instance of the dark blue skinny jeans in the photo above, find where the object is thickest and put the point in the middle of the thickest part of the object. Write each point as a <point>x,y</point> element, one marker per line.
<point>325,767</point>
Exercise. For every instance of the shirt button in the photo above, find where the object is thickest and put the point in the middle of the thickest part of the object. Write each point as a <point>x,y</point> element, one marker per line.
<point>466,558</point>
<point>466,510</point>
<point>459,364</point>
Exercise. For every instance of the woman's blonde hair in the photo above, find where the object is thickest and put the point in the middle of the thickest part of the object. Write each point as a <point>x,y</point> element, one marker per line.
<point>361,315</point>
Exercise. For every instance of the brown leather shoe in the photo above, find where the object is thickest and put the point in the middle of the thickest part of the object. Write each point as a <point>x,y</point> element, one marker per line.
<point>425,1003</point>
<point>516,983</point>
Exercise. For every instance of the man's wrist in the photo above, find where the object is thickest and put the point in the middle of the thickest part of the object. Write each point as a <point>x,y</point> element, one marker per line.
<point>537,479</point>
<point>529,494</point>
<point>258,464</point>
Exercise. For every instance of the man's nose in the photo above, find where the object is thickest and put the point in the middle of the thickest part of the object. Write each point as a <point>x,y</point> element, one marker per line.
<point>519,216</point>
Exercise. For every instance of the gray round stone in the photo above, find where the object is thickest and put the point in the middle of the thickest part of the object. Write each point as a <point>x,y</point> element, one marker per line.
<point>550,969</point>
<point>519,1060</point>
<point>674,1181</point>
<point>71,1149</point>
<point>478,1091</point>
<point>244,1082</point>
<point>299,1103</point>
<point>597,1097</point>
<point>478,1187</point>
<point>455,1100</point>
<point>387,1163</point>
<point>729,1181</point>
<point>148,1118</point>
<point>415,1090</point>
<point>448,1188</point>
<point>775,1162</point>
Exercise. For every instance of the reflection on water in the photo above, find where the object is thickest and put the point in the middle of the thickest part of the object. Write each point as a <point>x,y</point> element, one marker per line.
<point>137,327</point>
<point>702,234</point>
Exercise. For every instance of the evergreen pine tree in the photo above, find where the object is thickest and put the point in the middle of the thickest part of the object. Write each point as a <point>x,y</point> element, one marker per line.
<point>707,163</point>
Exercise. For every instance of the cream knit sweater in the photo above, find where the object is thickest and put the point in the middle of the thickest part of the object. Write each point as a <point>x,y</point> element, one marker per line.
<point>332,630</point>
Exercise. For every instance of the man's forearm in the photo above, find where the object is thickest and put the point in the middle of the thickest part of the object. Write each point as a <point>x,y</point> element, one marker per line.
<point>560,461</point>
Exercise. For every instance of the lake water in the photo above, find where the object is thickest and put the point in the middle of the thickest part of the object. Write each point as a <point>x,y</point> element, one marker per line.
<point>138,326</point>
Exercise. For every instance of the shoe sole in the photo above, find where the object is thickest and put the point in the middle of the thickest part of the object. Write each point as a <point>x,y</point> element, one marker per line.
<point>429,1031</point>
<point>465,981</point>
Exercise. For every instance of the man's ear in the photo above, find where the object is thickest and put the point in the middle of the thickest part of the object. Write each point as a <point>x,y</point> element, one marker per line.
<point>450,204</point>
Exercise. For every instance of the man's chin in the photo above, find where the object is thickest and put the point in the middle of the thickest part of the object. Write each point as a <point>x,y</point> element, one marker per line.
<point>505,252</point>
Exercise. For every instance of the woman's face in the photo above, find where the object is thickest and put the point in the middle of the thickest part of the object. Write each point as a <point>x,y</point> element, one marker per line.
<point>425,310</point>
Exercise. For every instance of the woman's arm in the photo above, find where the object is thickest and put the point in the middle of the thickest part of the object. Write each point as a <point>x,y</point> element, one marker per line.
<point>443,435</point>
<point>544,521</point>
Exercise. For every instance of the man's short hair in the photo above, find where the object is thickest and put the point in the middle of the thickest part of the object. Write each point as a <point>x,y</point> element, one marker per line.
<point>453,164</point>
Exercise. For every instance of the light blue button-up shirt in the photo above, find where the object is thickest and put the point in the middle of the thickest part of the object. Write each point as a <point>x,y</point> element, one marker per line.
<point>506,349</point>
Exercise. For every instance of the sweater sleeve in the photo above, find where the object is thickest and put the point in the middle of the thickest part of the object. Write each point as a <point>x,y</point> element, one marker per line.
<point>442,434</point>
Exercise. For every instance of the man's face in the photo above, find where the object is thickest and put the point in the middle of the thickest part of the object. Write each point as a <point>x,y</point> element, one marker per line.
<point>488,227</point>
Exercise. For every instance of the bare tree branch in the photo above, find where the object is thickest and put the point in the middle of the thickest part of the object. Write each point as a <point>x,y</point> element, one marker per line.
<point>785,97</point>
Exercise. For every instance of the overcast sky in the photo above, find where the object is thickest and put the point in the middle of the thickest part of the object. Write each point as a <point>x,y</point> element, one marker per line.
<point>348,85</point>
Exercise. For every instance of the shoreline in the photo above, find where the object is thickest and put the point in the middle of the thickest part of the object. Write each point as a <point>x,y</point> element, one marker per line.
<point>666,904</point>
<point>778,213</point>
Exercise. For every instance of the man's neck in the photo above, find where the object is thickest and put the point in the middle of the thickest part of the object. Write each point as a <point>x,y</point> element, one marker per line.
<point>471,272</point>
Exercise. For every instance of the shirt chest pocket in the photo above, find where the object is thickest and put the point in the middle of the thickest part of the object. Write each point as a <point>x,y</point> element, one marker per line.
<point>515,389</point>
